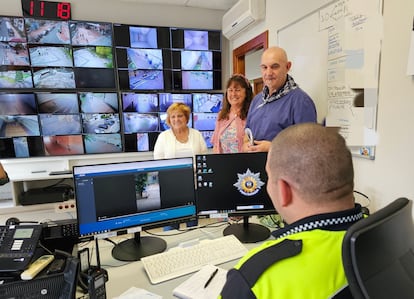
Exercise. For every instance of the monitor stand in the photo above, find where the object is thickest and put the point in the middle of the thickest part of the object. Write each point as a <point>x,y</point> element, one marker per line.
<point>136,248</point>
<point>247,232</point>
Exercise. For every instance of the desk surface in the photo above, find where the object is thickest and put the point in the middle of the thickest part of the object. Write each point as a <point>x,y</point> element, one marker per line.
<point>123,275</point>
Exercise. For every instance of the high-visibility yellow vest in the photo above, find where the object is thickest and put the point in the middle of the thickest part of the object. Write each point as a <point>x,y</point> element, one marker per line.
<point>312,271</point>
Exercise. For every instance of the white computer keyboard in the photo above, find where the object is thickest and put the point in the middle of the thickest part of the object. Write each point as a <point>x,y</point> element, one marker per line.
<point>181,261</point>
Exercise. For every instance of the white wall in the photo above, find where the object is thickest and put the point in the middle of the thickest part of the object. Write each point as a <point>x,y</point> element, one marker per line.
<point>252,62</point>
<point>391,174</point>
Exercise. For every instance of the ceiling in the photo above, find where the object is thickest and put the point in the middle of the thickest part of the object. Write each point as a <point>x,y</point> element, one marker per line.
<point>209,4</point>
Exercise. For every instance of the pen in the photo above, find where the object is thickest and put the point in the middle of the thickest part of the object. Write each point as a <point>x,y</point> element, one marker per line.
<point>211,278</point>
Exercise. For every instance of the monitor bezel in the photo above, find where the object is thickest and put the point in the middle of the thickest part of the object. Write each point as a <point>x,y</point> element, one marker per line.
<point>232,210</point>
<point>143,166</point>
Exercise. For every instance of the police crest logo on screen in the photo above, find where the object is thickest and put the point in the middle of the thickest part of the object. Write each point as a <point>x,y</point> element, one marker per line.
<point>249,183</point>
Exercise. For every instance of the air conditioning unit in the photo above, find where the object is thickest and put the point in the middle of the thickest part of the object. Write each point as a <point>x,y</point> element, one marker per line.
<point>241,15</point>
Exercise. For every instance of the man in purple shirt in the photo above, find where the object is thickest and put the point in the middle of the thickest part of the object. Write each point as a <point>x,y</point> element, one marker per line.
<point>281,103</point>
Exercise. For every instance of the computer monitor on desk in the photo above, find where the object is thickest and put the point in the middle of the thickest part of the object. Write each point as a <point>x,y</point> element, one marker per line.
<point>234,184</point>
<point>121,197</point>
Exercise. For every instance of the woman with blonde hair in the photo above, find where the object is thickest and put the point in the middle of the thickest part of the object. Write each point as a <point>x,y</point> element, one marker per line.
<point>180,140</point>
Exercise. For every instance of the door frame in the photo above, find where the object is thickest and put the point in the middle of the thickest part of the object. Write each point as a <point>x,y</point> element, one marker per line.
<point>259,42</point>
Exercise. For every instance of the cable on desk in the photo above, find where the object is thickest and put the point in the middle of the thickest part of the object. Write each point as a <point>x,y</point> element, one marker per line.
<point>215,224</point>
<point>110,241</point>
<point>44,248</point>
<point>84,244</point>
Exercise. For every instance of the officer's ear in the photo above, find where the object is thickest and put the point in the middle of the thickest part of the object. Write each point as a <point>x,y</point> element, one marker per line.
<point>285,193</point>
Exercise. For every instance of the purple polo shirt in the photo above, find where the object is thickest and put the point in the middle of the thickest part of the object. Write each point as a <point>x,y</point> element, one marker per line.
<point>271,118</point>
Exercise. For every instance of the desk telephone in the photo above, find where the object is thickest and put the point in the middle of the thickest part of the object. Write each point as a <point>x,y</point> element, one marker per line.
<point>17,246</point>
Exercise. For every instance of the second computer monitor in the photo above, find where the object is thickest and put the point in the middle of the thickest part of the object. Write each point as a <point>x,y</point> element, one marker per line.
<point>234,184</point>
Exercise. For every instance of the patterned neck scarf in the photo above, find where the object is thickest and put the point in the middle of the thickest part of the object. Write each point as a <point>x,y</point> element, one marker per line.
<point>290,84</point>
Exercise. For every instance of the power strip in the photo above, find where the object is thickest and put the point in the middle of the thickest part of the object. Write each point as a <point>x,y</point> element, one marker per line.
<point>65,206</point>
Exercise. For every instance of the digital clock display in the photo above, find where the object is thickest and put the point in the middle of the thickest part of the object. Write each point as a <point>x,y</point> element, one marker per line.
<point>46,9</point>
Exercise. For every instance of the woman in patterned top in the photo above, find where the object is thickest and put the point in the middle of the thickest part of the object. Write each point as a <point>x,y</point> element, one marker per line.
<point>229,130</point>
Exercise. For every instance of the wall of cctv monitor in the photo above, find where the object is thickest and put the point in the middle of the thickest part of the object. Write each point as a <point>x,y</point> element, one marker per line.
<point>166,58</point>
<point>79,87</point>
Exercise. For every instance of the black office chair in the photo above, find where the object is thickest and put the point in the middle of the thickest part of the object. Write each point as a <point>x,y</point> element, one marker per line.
<point>378,253</point>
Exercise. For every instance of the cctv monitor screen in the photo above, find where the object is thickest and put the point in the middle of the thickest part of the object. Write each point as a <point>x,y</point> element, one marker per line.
<point>167,99</point>
<point>139,102</point>
<point>44,56</point>
<point>146,79</point>
<point>17,103</point>
<point>14,53</point>
<point>206,102</point>
<point>143,37</point>
<point>140,142</point>
<point>93,57</point>
<point>90,33</point>
<point>149,59</point>
<point>47,31</point>
<point>57,103</point>
<point>196,60</point>
<point>98,102</point>
<point>205,121</point>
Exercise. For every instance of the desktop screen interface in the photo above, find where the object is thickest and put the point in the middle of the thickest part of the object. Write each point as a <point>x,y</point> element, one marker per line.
<point>117,196</point>
<point>232,184</point>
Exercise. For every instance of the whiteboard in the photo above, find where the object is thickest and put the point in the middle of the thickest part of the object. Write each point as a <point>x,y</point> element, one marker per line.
<point>335,59</point>
<point>306,48</point>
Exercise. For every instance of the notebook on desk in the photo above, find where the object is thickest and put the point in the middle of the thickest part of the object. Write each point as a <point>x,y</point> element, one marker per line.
<point>207,283</point>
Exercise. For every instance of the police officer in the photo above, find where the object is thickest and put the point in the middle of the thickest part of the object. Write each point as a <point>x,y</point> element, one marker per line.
<point>311,183</point>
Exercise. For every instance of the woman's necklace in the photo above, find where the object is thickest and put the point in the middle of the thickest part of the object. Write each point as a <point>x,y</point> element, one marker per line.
<point>234,113</point>
<point>182,136</point>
